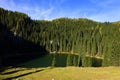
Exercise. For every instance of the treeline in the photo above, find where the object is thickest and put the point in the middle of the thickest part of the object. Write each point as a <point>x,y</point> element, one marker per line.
<point>82,37</point>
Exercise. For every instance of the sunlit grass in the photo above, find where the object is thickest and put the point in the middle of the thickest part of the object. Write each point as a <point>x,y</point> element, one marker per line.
<point>64,73</point>
<point>39,69</point>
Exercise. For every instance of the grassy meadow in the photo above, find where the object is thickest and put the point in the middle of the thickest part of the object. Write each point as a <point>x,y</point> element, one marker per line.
<point>39,69</point>
<point>62,73</point>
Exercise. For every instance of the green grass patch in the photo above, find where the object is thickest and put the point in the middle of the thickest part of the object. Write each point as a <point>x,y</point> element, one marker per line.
<point>62,73</point>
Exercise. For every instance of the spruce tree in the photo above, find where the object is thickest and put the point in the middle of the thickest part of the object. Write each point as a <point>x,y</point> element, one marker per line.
<point>69,60</point>
<point>115,55</point>
<point>74,60</point>
<point>53,61</point>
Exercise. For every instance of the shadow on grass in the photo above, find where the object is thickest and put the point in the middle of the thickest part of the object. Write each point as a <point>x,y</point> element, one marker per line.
<point>39,62</point>
<point>10,72</point>
<point>46,61</point>
<point>22,75</point>
<point>15,70</point>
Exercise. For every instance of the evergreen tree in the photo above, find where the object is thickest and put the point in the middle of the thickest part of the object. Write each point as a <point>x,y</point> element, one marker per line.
<point>53,61</point>
<point>69,60</point>
<point>80,36</point>
<point>115,55</point>
<point>75,60</point>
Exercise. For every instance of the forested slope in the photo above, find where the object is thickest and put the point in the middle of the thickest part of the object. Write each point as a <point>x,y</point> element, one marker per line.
<point>80,36</point>
<point>15,48</point>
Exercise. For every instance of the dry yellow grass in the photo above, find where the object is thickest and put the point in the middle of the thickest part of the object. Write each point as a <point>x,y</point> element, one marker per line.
<point>66,73</point>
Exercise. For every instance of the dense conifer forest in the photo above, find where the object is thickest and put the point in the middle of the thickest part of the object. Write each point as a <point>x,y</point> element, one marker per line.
<point>88,39</point>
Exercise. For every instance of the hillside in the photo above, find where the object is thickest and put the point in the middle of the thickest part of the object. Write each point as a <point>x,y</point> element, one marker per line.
<point>82,37</point>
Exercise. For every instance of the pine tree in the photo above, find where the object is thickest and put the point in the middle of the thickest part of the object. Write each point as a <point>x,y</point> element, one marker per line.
<point>115,55</point>
<point>53,61</point>
<point>69,60</point>
<point>79,60</point>
<point>75,60</point>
